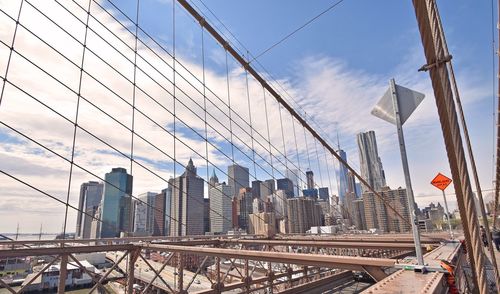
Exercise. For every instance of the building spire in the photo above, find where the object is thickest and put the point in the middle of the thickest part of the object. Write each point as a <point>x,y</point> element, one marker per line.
<point>338,140</point>
<point>190,169</point>
<point>213,179</point>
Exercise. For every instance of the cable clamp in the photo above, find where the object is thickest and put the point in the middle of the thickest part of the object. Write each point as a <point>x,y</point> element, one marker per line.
<point>202,21</point>
<point>427,67</point>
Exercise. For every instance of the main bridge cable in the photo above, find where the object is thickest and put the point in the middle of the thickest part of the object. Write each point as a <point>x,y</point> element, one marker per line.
<point>252,129</point>
<point>432,42</point>
<point>469,146</point>
<point>280,100</point>
<point>279,84</point>
<point>186,80</point>
<point>250,55</point>
<point>276,81</point>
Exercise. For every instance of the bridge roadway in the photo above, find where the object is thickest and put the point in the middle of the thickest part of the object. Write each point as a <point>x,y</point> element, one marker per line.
<point>409,281</point>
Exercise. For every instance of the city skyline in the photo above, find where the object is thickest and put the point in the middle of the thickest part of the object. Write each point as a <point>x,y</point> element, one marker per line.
<point>190,146</point>
<point>19,155</point>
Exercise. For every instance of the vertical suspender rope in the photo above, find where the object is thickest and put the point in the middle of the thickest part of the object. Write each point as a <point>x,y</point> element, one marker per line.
<point>77,112</point>
<point>11,51</point>
<point>130,203</point>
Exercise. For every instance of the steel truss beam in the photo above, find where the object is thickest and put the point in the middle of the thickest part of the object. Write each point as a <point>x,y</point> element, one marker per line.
<point>340,262</point>
<point>22,252</point>
<point>327,244</point>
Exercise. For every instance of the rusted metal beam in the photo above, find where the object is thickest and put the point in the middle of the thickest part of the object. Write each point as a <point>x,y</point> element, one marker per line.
<point>6,286</point>
<point>157,273</point>
<point>238,285</point>
<point>64,250</point>
<point>328,244</point>
<point>63,274</point>
<point>180,263</point>
<point>109,272</point>
<point>125,239</point>
<point>375,272</point>
<point>165,262</point>
<point>388,238</point>
<point>92,275</point>
<point>131,259</point>
<point>342,262</point>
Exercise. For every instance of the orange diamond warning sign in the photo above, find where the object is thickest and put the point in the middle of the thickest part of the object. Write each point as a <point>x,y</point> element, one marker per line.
<point>441,181</point>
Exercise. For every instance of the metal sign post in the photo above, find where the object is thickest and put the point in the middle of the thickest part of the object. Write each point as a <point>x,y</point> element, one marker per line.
<point>447,215</point>
<point>406,170</point>
<point>396,106</point>
<point>441,182</point>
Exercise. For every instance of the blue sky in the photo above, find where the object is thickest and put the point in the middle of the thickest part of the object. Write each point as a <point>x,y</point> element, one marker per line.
<point>336,69</point>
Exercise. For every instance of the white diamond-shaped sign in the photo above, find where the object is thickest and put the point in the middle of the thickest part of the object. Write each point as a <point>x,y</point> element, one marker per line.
<point>408,100</point>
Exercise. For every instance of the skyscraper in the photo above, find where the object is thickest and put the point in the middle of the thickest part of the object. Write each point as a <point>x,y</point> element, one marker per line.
<point>342,176</point>
<point>293,175</point>
<point>310,179</point>
<point>324,194</point>
<point>161,213</point>
<point>358,214</point>
<point>378,216</point>
<point>221,220</point>
<point>310,191</point>
<point>286,185</point>
<point>267,188</point>
<point>89,201</point>
<point>187,206</point>
<point>206,215</point>
<point>371,165</point>
<point>303,213</point>
<point>279,203</point>
<point>140,216</point>
<point>116,203</point>
<point>244,207</point>
<point>256,192</point>
<point>144,212</point>
<point>238,177</point>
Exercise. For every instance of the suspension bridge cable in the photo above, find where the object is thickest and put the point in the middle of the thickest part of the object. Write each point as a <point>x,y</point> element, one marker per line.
<point>297,29</point>
<point>195,77</point>
<point>77,112</point>
<point>257,62</point>
<point>216,35</point>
